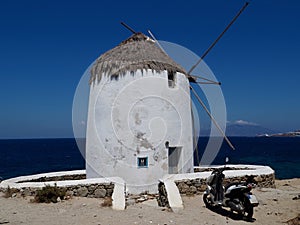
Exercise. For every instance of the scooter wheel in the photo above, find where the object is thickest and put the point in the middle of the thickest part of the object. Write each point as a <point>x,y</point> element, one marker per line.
<point>249,212</point>
<point>207,200</point>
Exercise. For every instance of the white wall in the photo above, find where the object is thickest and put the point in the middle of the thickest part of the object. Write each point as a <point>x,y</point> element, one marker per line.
<point>132,117</point>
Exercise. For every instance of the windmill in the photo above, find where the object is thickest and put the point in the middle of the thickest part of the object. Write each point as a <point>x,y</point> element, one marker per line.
<point>201,79</point>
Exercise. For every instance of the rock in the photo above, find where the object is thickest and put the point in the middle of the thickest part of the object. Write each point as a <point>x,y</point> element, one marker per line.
<point>82,191</point>
<point>141,199</point>
<point>193,190</point>
<point>203,187</point>
<point>130,202</point>
<point>198,184</point>
<point>91,188</point>
<point>109,191</point>
<point>3,221</point>
<point>14,195</point>
<point>183,187</point>
<point>296,198</point>
<point>69,193</point>
<point>100,193</point>
<point>293,221</point>
<point>258,179</point>
<point>58,199</point>
<point>25,192</point>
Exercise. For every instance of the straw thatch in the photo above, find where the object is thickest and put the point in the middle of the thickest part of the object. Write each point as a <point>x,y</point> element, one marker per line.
<point>137,52</point>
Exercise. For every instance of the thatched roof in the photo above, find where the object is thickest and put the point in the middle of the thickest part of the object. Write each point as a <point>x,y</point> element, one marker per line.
<point>137,52</point>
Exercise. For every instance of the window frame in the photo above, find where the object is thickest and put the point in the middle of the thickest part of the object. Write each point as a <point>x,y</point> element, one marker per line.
<point>146,164</point>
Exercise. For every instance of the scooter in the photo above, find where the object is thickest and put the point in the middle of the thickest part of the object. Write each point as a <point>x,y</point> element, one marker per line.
<point>236,196</point>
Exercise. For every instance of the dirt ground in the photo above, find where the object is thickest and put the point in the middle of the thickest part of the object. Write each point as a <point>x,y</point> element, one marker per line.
<point>276,207</point>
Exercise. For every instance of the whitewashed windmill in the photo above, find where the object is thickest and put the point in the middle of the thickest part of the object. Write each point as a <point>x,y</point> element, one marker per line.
<point>139,123</point>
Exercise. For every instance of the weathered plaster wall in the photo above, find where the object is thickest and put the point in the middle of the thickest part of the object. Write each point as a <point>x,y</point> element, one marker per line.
<point>133,117</point>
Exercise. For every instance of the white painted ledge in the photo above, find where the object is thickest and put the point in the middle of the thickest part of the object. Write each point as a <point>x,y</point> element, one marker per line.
<point>14,182</point>
<point>249,170</point>
<point>243,170</point>
<point>118,195</point>
<point>174,198</point>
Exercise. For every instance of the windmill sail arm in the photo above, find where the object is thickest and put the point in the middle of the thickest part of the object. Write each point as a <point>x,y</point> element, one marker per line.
<point>212,118</point>
<point>156,41</point>
<point>219,37</point>
<point>203,78</point>
<point>128,28</point>
<point>215,83</point>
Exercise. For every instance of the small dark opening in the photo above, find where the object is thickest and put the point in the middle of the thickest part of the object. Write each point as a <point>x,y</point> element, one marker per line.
<point>171,79</point>
<point>174,159</point>
<point>167,144</point>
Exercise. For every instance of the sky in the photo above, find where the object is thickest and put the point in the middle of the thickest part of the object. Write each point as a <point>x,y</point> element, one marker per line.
<point>45,47</point>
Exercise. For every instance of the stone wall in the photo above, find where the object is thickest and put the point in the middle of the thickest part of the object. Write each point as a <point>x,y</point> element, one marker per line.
<point>198,186</point>
<point>162,199</point>
<point>84,190</point>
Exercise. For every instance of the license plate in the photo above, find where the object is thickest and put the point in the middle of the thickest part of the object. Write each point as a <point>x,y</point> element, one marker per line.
<point>253,199</point>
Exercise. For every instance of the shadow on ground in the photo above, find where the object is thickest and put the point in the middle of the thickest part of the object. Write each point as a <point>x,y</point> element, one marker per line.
<point>234,216</point>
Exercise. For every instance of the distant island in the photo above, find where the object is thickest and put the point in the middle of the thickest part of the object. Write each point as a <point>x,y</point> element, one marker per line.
<point>287,134</point>
<point>242,128</point>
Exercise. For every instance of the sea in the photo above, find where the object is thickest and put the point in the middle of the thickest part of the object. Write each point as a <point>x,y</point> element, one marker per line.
<point>31,156</point>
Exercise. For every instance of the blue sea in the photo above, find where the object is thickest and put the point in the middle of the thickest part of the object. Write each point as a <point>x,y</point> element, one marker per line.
<point>32,156</point>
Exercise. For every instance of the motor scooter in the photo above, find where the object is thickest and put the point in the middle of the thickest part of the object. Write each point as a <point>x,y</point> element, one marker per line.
<point>236,196</point>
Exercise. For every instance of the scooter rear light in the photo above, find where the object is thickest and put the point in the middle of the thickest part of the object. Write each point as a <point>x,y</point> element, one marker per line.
<point>249,187</point>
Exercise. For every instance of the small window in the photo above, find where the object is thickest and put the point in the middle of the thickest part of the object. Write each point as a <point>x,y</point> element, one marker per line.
<point>171,79</point>
<point>142,162</point>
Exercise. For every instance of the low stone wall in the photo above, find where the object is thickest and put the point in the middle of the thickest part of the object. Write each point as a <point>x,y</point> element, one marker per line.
<point>74,182</point>
<point>75,185</point>
<point>195,183</point>
<point>162,199</point>
<point>198,186</point>
<point>90,190</point>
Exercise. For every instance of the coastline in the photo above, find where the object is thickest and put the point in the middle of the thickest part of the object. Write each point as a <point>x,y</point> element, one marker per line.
<point>276,206</point>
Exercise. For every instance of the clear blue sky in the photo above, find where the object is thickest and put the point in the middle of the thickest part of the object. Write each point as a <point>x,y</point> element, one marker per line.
<point>45,46</point>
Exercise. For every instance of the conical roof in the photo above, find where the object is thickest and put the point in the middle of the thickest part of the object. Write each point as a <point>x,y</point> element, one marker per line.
<point>137,52</point>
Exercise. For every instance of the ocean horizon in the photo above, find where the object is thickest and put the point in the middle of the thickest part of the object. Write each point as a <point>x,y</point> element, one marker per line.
<point>20,157</point>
